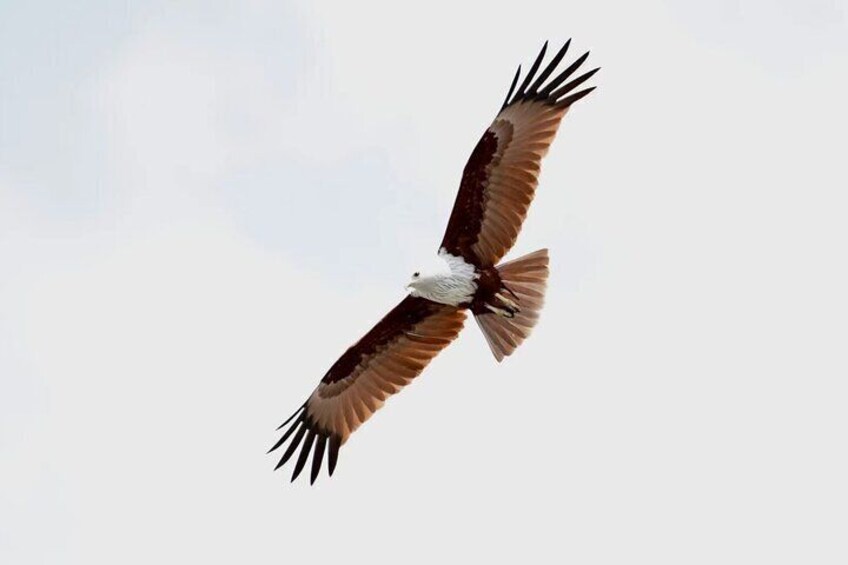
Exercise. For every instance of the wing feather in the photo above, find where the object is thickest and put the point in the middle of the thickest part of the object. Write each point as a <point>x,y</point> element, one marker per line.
<point>293,445</point>
<point>304,453</point>
<point>379,365</point>
<point>500,178</point>
<point>317,458</point>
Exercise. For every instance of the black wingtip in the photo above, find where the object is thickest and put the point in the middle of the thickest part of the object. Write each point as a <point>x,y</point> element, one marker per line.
<point>292,446</point>
<point>549,69</point>
<point>562,77</point>
<point>286,435</point>
<point>304,454</point>
<point>571,99</point>
<point>289,419</point>
<point>317,458</point>
<point>511,87</point>
<point>559,93</point>
<point>333,455</point>
<point>306,434</point>
<point>532,72</point>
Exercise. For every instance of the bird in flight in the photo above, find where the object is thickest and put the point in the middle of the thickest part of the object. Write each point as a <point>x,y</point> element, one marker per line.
<point>497,186</point>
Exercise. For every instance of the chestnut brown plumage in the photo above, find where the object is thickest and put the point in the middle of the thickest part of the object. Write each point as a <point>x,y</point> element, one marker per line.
<point>497,186</point>
<point>500,178</point>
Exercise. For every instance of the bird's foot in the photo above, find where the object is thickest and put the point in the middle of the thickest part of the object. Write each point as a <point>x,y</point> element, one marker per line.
<point>508,302</point>
<point>507,312</point>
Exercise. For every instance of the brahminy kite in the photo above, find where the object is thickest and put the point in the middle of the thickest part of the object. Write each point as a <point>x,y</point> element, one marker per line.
<point>497,186</point>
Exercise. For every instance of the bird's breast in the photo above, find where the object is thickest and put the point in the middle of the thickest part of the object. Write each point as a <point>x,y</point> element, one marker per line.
<point>454,289</point>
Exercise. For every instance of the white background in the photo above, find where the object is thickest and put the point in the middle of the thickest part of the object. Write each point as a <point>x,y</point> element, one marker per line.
<point>202,205</point>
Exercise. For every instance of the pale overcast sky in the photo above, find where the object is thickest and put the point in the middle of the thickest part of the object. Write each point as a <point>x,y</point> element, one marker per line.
<point>203,203</point>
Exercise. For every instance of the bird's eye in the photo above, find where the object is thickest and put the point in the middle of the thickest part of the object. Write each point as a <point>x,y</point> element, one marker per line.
<point>416,274</point>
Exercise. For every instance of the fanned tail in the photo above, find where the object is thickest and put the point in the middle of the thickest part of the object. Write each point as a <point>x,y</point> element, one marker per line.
<point>523,283</point>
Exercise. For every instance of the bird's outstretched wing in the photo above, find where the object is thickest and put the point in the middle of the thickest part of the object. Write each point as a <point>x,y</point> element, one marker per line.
<point>385,360</point>
<point>500,178</point>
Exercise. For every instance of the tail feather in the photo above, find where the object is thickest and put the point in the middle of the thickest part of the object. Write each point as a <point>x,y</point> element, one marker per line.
<point>525,279</point>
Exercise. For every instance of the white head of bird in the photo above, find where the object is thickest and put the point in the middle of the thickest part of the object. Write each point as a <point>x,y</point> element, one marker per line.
<point>426,280</point>
<point>444,281</point>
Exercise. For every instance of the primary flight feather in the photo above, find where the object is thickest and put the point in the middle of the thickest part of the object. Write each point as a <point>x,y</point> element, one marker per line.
<point>497,186</point>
